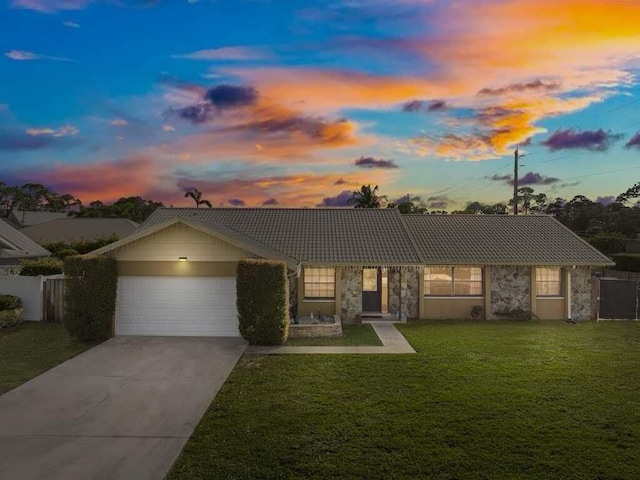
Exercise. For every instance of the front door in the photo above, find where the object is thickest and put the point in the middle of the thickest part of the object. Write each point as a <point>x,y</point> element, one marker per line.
<point>371,289</point>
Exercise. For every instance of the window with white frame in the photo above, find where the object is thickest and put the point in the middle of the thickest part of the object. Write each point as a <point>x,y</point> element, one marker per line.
<point>549,281</point>
<point>319,283</point>
<point>453,281</point>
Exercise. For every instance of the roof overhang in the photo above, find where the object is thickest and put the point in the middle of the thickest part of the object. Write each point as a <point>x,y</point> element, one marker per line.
<point>215,230</point>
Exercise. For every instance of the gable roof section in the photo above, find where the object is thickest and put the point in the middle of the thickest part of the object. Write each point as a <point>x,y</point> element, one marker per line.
<point>499,240</point>
<point>71,229</point>
<point>218,231</point>
<point>313,236</point>
<point>17,245</point>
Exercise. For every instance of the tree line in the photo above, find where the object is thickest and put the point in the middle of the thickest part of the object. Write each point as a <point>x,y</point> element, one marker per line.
<point>607,227</point>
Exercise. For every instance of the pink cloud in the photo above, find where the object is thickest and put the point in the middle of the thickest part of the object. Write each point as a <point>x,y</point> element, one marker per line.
<point>49,6</point>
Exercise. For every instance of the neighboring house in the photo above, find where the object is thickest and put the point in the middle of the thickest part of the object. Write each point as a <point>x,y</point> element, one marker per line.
<point>15,246</point>
<point>72,229</point>
<point>177,272</point>
<point>22,219</point>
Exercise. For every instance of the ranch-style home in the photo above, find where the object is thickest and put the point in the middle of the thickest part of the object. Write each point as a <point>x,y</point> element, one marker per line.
<point>177,272</point>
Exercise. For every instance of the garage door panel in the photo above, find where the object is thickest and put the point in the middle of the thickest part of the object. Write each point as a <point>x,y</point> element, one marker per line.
<point>181,306</point>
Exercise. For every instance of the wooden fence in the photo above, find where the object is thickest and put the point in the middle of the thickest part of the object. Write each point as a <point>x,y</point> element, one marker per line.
<point>53,300</point>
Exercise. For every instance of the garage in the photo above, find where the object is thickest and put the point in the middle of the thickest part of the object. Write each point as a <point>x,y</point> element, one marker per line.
<point>176,306</point>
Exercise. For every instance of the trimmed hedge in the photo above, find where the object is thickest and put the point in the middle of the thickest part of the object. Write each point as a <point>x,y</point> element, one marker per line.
<point>263,301</point>
<point>11,313</point>
<point>41,266</point>
<point>628,262</point>
<point>90,296</point>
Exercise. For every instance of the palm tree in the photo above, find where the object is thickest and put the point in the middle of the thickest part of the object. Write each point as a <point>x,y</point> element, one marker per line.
<point>197,197</point>
<point>366,197</point>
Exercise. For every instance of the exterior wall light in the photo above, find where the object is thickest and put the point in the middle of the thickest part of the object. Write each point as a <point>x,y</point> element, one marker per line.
<point>182,259</point>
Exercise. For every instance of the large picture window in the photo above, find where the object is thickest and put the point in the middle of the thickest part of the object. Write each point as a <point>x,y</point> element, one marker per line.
<point>319,283</point>
<point>549,281</point>
<point>453,281</point>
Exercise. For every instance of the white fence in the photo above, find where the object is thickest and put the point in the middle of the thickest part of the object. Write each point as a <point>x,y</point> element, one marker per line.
<point>29,289</point>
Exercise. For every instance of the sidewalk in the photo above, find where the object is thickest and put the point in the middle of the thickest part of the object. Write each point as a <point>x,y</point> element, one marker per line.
<point>392,340</point>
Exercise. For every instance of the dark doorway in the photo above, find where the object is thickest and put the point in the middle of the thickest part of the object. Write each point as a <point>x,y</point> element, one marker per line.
<point>619,299</point>
<point>372,289</point>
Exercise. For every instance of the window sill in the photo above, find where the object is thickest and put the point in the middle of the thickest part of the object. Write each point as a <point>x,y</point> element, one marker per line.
<point>550,298</point>
<point>319,300</point>
<point>454,297</point>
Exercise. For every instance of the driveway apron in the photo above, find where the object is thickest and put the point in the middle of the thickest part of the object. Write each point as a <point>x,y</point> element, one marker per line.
<point>123,409</point>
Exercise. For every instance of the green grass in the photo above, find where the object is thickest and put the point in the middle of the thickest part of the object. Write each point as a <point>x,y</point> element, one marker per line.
<point>351,335</point>
<point>526,400</point>
<point>33,348</point>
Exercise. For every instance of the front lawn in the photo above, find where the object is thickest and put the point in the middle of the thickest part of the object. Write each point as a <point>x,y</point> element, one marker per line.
<point>525,400</point>
<point>351,335</point>
<point>33,348</point>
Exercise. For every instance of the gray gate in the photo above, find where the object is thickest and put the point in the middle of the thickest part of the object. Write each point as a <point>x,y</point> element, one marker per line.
<point>53,300</point>
<point>619,299</point>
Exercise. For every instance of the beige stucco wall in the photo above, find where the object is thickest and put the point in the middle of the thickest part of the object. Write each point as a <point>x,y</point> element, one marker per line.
<point>178,241</point>
<point>449,307</point>
<point>551,308</point>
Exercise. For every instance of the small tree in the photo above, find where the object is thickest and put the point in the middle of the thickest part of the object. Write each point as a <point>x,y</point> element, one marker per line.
<point>263,301</point>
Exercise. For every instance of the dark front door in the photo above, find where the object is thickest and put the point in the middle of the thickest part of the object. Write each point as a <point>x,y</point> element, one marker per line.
<point>371,289</point>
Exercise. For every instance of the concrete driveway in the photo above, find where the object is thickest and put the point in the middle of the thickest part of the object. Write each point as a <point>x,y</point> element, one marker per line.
<point>121,410</point>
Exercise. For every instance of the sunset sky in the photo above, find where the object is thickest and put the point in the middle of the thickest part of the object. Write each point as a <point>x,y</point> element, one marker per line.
<point>297,103</point>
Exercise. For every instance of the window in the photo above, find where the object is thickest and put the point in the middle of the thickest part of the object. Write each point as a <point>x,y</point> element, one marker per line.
<point>453,281</point>
<point>319,283</point>
<point>369,279</point>
<point>548,281</point>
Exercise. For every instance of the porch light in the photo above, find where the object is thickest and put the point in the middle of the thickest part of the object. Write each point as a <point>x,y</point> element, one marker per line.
<point>182,259</point>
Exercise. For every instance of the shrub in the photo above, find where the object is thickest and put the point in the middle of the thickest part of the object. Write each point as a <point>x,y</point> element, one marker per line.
<point>10,302</point>
<point>263,301</point>
<point>516,314</point>
<point>61,249</point>
<point>10,318</point>
<point>476,312</point>
<point>10,311</point>
<point>90,296</point>
<point>67,252</point>
<point>41,266</point>
<point>608,242</point>
<point>629,262</point>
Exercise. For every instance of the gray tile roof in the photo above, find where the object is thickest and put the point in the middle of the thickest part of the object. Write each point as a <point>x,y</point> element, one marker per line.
<point>499,239</point>
<point>26,219</point>
<point>320,235</point>
<point>13,244</point>
<point>72,229</point>
<point>384,237</point>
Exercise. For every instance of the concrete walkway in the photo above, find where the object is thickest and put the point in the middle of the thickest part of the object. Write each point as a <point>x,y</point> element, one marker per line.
<point>121,410</point>
<point>392,340</point>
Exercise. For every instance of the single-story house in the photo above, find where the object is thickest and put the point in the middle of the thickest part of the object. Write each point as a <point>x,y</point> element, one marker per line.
<point>14,246</point>
<point>73,229</point>
<point>177,272</point>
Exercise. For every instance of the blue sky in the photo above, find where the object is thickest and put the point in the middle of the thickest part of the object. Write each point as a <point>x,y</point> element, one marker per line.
<point>298,101</point>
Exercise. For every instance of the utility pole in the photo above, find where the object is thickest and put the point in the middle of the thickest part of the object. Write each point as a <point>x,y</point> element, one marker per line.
<point>516,160</point>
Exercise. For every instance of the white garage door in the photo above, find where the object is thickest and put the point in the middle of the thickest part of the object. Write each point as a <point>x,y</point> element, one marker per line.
<point>177,306</point>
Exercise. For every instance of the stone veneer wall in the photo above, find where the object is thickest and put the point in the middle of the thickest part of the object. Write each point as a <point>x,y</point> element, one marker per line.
<point>581,294</point>
<point>350,294</point>
<point>510,288</point>
<point>410,289</point>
